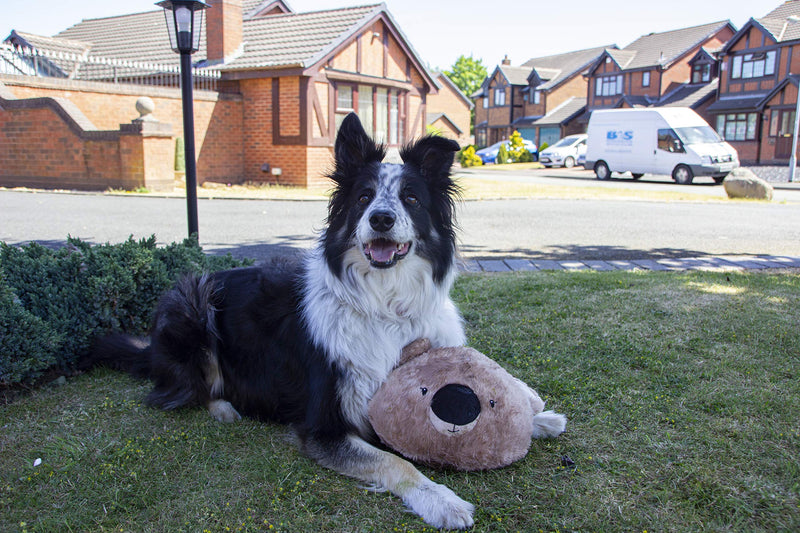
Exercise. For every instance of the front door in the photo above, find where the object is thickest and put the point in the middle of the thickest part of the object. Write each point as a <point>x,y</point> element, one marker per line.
<point>783,143</point>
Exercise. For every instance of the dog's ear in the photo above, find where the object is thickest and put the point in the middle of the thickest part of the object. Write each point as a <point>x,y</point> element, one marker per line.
<point>433,155</point>
<point>353,148</point>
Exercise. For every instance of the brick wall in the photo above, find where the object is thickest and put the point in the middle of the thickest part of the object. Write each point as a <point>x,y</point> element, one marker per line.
<point>217,117</point>
<point>447,101</point>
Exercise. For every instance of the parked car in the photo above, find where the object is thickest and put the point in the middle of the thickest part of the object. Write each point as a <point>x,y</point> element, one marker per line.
<point>667,140</point>
<point>566,152</point>
<point>489,154</point>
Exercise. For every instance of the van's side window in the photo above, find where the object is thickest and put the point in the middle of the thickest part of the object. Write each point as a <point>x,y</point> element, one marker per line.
<point>669,142</point>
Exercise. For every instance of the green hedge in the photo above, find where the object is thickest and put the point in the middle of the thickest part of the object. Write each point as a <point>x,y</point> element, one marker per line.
<point>54,302</point>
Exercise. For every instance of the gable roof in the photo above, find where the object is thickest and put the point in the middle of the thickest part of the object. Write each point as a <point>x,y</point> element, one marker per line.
<point>274,37</point>
<point>514,75</point>
<point>558,68</point>
<point>664,48</point>
<point>782,24</point>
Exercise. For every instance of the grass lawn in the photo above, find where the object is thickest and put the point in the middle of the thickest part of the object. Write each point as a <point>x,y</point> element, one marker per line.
<point>682,390</point>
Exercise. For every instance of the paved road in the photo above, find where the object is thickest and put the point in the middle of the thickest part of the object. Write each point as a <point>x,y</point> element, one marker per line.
<point>535,229</point>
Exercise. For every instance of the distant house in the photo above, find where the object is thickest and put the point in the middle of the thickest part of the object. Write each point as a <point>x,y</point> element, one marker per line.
<point>758,90</point>
<point>286,80</point>
<point>499,103</point>
<point>556,95</point>
<point>668,68</point>
<point>523,98</point>
<point>449,110</point>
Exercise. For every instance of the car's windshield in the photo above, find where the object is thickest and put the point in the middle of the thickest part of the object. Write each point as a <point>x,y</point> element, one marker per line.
<point>566,141</point>
<point>698,135</point>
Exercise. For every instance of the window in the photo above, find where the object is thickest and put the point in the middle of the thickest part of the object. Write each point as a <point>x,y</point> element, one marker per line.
<point>380,110</point>
<point>645,79</point>
<point>500,96</point>
<point>737,126</point>
<point>755,65</point>
<point>669,142</point>
<point>701,73</point>
<point>485,102</point>
<point>608,85</point>
<point>537,97</point>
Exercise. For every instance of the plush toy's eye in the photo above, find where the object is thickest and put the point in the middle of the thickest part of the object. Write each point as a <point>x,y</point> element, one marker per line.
<point>491,403</point>
<point>424,390</point>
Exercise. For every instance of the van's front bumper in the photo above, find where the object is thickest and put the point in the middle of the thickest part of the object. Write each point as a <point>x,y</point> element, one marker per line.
<point>715,170</point>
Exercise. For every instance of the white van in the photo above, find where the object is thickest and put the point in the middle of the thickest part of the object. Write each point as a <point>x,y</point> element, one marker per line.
<point>666,140</point>
<point>565,152</point>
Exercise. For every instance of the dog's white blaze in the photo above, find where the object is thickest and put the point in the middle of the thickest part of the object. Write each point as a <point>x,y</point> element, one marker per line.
<point>387,198</point>
<point>367,316</point>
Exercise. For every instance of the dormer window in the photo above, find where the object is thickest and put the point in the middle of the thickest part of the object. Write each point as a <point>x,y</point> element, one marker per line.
<point>499,96</point>
<point>701,72</point>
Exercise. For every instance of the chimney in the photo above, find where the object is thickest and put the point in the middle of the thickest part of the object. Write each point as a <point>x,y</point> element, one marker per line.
<point>506,61</point>
<point>223,29</point>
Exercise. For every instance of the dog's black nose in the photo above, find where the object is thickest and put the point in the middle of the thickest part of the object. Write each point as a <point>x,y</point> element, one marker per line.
<point>381,220</point>
<point>456,404</point>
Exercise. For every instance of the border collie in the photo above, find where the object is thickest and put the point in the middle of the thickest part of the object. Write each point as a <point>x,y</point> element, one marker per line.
<point>307,343</point>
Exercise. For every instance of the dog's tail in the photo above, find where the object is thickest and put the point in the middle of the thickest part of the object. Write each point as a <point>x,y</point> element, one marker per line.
<point>120,352</point>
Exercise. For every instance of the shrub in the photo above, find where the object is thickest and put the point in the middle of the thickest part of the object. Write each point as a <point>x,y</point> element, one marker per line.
<point>517,153</point>
<point>53,302</point>
<point>468,158</point>
<point>502,155</point>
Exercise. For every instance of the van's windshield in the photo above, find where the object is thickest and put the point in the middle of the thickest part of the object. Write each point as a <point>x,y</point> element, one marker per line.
<point>698,135</point>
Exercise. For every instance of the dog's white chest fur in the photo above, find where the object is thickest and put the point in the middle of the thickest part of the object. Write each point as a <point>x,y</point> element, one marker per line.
<point>364,318</point>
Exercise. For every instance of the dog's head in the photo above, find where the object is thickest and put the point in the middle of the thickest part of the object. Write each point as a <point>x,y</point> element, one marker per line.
<point>388,212</point>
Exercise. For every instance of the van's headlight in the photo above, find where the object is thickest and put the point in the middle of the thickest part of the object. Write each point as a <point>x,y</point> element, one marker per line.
<point>705,160</point>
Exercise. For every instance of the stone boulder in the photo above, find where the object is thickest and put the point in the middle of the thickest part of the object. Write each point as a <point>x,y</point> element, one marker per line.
<point>742,183</point>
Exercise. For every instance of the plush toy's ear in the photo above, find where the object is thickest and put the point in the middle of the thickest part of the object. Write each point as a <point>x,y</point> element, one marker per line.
<point>415,349</point>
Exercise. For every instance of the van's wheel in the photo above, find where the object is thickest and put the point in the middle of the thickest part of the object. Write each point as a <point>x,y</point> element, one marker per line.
<point>601,170</point>
<point>719,179</point>
<point>637,175</point>
<point>569,162</point>
<point>682,175</point>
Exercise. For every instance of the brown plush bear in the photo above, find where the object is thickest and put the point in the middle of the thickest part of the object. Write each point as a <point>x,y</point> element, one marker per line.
<point>455,407</point>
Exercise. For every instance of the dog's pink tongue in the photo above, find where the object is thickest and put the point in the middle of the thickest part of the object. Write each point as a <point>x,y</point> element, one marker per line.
<point>382,250</point>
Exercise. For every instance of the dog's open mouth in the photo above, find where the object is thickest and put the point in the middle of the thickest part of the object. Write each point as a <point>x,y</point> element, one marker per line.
<point>383,253</point>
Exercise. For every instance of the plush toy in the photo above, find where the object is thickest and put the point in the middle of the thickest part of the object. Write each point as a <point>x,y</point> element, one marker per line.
<point>455,407</point>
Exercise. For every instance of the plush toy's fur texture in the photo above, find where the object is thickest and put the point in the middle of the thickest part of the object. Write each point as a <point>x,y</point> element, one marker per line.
<point>455,407</point>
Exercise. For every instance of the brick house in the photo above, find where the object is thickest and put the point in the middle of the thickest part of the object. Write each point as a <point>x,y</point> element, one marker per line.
<point>668,68</point>
<point>449,110</point>
<point>755,109</point>
<point>499,102</point>
<point>286,80</point>
<point>524,98</point>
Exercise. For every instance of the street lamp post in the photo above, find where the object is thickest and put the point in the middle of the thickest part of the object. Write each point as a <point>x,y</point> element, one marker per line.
<point>184,20</point>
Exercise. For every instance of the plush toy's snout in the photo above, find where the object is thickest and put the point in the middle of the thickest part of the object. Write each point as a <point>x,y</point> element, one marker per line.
<point>454,409</point>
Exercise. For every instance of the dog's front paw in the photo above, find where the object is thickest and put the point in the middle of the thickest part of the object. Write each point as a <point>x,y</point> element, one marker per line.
<point>440,507</point>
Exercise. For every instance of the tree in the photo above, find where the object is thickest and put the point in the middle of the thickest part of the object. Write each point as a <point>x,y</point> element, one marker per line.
<point>467,73</point>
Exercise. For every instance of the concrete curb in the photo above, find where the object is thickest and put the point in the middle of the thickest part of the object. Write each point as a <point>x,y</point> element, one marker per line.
<point>705,263</point>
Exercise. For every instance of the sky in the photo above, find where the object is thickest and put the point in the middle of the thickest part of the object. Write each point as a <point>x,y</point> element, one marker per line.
<point>442,30</point>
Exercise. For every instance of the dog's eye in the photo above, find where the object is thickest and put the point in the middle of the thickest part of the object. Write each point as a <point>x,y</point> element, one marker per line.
<point>411,199</point>
<point>364,199</point>
<point>491,403</point>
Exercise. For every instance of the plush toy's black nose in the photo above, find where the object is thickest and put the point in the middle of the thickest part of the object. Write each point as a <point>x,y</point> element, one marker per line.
<point>381,220</point>
<point>456,404</point>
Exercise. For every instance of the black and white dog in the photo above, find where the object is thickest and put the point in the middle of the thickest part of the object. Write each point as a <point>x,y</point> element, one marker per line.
<point>308,343</point>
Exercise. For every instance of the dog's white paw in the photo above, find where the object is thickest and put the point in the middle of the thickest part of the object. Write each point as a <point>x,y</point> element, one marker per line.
<point>440,507</point>
<point>548,424</point>
<point>223,411</point>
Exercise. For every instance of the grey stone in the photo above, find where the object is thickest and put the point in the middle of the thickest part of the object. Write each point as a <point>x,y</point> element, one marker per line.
<point>742,183</point>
